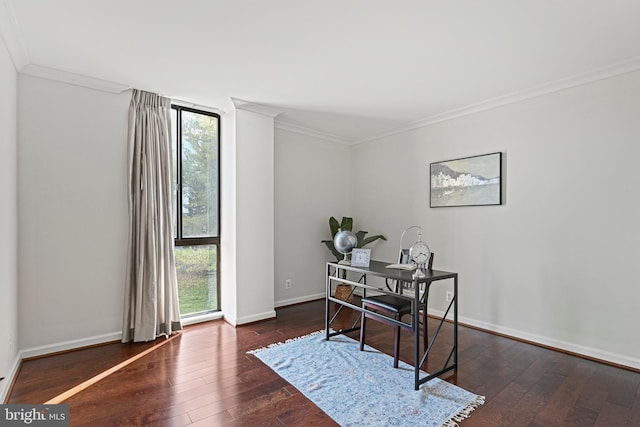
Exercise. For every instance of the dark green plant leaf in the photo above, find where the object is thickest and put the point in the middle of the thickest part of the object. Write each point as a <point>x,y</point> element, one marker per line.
<point>334,226</point>
<point>346,224</point>
<point>360,236</point>
<point>372,239</point>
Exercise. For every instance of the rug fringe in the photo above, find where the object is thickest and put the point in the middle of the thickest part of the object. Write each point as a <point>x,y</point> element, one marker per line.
<point>465,412</point>
<point>277,344</point>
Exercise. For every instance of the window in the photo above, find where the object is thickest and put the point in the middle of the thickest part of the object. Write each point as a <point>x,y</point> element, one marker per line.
<point>196,208</point>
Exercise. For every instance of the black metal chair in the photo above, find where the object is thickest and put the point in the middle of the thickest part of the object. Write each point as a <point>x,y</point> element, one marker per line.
<point>395,307</point>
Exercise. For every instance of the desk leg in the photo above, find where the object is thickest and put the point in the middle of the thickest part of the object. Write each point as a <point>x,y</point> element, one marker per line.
<point>448,364</point>
<point>326,302</point>
<point>455,322</point>
<point>416,334</point>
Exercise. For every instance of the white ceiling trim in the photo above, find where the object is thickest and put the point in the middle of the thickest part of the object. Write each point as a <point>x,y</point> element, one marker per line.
<point>624,67</point>
<point>11,35</point>
<point>98,84</point>
<point>254,107</point>
<point>73,79</point>
<point>290,127</point>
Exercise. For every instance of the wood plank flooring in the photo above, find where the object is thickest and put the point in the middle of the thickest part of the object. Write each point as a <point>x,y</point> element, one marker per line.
<point>205,378</point>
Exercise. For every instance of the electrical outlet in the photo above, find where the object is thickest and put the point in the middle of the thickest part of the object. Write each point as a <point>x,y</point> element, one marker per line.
<point>10,342</point>
<point>448,296</point>
<point>287,283</point>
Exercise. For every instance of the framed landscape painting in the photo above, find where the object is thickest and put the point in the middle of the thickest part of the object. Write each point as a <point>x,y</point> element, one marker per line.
<point>470,181</point>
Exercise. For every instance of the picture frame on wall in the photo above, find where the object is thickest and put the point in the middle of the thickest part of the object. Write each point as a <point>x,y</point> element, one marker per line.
<point>468,181</point>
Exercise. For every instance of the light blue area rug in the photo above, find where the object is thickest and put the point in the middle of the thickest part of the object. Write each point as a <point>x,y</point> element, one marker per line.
<point>361,388</point>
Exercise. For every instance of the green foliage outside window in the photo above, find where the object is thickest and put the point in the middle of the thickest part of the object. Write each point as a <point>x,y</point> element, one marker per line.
<point>199,175</point>
<point>196,207</point>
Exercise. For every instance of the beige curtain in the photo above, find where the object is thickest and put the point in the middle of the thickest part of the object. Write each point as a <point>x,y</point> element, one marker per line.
<point>151,295</point>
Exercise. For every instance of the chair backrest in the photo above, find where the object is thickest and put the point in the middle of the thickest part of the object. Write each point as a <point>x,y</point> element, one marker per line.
<point>408,286</point>
<point>403,258</point>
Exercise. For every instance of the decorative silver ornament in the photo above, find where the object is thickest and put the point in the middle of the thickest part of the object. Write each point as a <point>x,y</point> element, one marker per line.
<point>344,242</point>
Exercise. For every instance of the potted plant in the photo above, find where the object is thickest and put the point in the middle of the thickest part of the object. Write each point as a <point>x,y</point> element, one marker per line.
<point>346,224</point>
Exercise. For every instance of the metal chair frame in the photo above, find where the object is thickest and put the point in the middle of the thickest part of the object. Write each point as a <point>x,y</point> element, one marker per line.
<point>369,303</point>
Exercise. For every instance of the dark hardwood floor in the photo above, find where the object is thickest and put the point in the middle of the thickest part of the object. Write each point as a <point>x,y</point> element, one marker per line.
<point>205,378</point>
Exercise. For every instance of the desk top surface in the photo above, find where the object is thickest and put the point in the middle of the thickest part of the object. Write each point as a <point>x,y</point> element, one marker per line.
<point>379,268</point>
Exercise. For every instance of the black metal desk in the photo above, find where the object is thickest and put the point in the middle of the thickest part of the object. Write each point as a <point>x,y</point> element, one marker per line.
<point>378,269</point>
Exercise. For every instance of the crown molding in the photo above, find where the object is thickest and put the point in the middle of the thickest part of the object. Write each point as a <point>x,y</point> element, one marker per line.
<point>98,84</point>
<point>11,35</point>
<point>264,110</point>
<point>73,79</point>
<point>291,127</point>
<point>613,70</point>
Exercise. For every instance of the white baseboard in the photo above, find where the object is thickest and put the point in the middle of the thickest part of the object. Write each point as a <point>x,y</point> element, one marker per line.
<point>255,317</point>
<point>6,383</point>
<point>230,320</point>
<point>589,352</point>
<point>299,300</point>
<point>49,349</point>
<point>101,339</point>
<point>539,339</point>
<point>69,345</point>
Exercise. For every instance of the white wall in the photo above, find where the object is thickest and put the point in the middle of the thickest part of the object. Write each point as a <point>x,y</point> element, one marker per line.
<point>557,262</point>
<point>311,185</point>
<point>73,221</point>
<point>528,268</point>
<point>253,195</point>
<point>228,297</point>
<point>8,218</point>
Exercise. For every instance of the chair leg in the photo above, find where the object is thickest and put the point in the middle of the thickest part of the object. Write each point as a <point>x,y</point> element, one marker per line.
<point>425,331</point>
<point>396,346</point>
<point>362,326</point>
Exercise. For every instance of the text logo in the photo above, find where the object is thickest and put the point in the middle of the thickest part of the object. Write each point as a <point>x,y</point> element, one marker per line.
<point>34,415</point>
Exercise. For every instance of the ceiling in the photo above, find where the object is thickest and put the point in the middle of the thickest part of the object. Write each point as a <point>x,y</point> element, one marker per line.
<point>346,69</point>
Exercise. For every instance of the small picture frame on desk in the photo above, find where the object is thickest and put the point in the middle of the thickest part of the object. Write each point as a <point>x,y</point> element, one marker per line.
<point>360,257</point>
